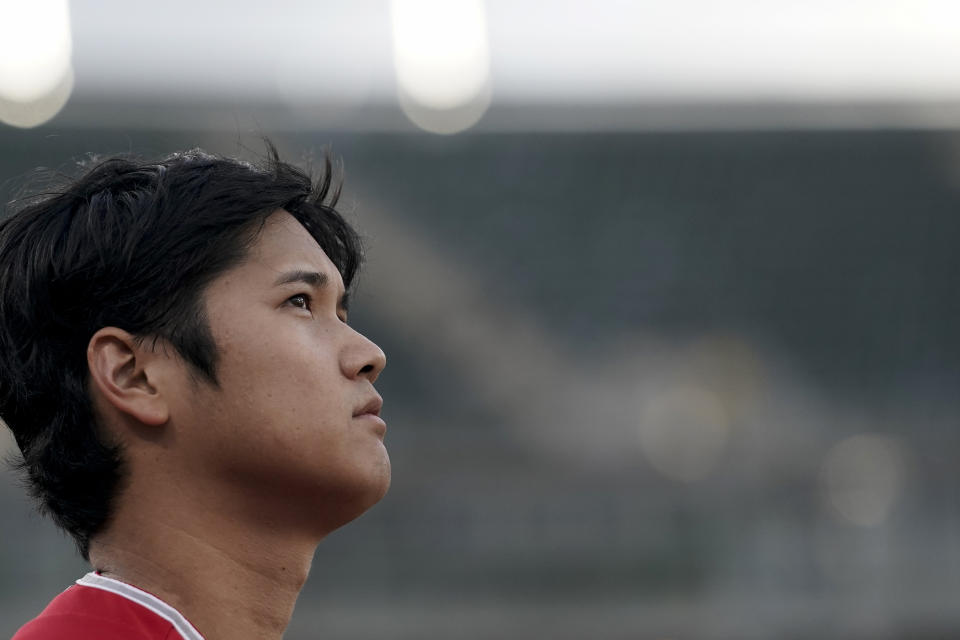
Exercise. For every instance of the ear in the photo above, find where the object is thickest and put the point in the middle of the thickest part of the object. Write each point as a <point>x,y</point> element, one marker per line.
<point>123,372</point>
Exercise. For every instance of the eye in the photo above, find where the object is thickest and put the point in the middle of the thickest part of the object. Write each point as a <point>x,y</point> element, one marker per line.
<point>301,301</point>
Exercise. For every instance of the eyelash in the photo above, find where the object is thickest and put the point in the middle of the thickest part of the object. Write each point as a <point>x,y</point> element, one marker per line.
<point>308,304</point>
<point>307,301</point>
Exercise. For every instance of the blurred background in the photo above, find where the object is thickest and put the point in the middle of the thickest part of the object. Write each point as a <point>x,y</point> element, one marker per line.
<point>668,291</point>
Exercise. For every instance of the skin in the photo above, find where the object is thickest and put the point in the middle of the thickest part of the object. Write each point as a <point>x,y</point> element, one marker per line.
<point>232,487</point>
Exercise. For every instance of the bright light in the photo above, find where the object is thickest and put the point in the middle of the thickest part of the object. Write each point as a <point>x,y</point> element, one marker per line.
<point>683,432</point>
<point>863,477</point>
<point>36,75</point>
<point>36,112</point>
<point>442,60</point>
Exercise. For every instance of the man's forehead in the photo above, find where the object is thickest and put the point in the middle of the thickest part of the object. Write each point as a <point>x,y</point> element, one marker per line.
<point>282,230</point>
<point>284,245</point>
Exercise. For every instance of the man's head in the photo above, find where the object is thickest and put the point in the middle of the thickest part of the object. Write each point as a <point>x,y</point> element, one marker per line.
<point>135,308</point>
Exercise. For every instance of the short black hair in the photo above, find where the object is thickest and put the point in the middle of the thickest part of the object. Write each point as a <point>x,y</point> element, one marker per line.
<point>131,244</point>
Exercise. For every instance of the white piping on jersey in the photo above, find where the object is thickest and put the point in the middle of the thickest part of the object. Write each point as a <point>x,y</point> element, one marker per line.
<point>144,599</point>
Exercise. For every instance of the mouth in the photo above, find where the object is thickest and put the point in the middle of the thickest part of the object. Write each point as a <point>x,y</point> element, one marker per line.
<point>371,407</point>
<point>370,413</point>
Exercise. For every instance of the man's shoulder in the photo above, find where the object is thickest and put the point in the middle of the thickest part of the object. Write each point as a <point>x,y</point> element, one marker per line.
<point>86,612</point>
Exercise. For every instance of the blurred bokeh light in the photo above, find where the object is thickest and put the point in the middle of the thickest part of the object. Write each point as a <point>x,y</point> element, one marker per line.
<point>863,477</point>
<point>36,74</point>
<point>442,59</point>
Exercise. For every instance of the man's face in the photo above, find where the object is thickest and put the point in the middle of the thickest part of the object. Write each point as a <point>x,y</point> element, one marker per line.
<point>293,422</point>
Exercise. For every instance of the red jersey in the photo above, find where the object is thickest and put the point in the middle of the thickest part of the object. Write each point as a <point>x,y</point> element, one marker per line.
<point>101,608</point>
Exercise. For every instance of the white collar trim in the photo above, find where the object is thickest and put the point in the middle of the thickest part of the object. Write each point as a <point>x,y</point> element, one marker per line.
<point>144,599</point>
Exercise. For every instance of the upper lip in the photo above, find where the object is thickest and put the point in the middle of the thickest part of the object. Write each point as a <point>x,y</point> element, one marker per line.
<point>373,406</point>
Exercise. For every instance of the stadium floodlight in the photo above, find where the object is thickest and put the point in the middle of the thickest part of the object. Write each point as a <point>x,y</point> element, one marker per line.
<point>36,73</point>
<point>442,61</point>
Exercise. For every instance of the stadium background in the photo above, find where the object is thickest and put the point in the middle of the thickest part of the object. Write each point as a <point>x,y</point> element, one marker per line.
<point>661,365</point>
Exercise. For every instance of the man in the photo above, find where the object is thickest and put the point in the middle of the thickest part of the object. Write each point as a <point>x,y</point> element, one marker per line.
<point>190,402</point>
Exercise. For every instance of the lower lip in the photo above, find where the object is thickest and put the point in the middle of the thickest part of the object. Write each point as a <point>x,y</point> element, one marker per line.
<point>375,420</point>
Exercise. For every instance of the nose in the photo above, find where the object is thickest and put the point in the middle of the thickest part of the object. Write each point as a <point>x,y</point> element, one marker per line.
<point>363,358</point>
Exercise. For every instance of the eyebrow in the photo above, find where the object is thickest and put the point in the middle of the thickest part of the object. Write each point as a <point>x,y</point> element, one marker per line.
<point>315,279</point>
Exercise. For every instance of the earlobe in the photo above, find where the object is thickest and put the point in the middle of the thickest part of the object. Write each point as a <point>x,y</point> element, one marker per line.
<point>122,373</point>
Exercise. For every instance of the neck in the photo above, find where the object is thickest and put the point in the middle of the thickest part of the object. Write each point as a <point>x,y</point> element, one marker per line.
<point>228,580</point>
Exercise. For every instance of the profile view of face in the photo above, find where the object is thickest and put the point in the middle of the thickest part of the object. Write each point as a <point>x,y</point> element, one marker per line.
<point>293,426</point>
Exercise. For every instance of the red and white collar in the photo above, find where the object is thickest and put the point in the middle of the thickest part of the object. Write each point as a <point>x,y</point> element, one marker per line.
<point>144,599</point>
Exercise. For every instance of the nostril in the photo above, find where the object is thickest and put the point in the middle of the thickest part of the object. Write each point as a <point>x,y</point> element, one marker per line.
<point>367,368</point>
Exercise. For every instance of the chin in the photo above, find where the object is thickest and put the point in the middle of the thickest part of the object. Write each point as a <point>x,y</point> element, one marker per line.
<point>350,502</point>
<point>378,487</point>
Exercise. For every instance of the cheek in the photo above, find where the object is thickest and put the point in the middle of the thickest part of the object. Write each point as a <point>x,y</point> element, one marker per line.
<point>282,390</point>
<point>295,357</point>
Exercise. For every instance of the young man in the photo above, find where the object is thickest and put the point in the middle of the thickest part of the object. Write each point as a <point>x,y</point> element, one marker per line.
<point>190,402</point>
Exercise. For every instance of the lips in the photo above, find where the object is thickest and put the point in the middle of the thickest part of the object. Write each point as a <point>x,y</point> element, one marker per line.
<point>371,407</point>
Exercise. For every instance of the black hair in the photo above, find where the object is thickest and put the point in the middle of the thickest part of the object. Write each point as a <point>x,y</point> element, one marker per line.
<point>130,244</point>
